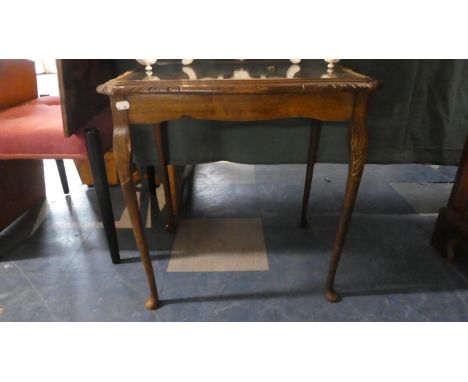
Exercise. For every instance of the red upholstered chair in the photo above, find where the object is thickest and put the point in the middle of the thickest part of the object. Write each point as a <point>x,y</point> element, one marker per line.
<point>32,128</point>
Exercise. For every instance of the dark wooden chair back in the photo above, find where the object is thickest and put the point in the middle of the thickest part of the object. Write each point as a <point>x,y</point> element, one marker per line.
<point>78,80</point>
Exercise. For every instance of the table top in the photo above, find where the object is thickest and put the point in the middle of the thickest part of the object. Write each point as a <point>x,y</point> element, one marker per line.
<point>237,76</point>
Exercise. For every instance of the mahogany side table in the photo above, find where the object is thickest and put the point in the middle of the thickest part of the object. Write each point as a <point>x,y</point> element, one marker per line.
<point>233,90</point>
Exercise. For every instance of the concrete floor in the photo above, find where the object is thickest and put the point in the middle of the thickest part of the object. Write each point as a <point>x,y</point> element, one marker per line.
<point>54,264</point>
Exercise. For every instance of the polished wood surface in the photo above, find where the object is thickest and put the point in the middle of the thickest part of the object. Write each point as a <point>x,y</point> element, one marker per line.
<point>237,77</point>
<point>233,90</point>
<point>242,107</point>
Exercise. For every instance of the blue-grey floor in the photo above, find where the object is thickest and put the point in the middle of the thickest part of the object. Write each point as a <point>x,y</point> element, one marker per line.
<point>54,263</point>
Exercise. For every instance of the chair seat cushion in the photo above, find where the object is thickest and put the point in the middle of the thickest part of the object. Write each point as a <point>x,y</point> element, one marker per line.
<point>34,130</point>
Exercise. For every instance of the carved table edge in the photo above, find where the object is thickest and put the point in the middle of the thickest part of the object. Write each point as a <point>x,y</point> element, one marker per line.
<point>113,88</point>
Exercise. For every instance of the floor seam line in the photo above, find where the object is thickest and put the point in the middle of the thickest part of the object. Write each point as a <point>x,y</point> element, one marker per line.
<point>39,294</point>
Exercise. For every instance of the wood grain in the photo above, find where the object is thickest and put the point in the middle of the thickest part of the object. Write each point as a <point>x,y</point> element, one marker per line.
<point>154,101</point>
<point>21,188</point>
<point>358,153</point>
<point>77,83</point>
<point>122,154</point>
<point>159,108</point>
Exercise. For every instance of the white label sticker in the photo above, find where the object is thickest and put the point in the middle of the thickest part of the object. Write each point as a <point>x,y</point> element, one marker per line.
<point>122,105</point>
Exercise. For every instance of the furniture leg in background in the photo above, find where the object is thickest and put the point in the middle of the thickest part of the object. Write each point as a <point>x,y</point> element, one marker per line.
<point>158,134</point>
<point>451,228</point>
<point>101,186</point>
<point>151,180</point>
<point>63,175</point>
<point>311,159</point>
<point>122,153</point>
<point>358,151</point>
<point>152,184</point>
<point>176,183</point>
<point>84,171</point>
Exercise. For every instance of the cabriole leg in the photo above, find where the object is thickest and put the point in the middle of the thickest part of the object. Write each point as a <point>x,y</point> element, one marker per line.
<point>358,151</point>
<point>122,152</point>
